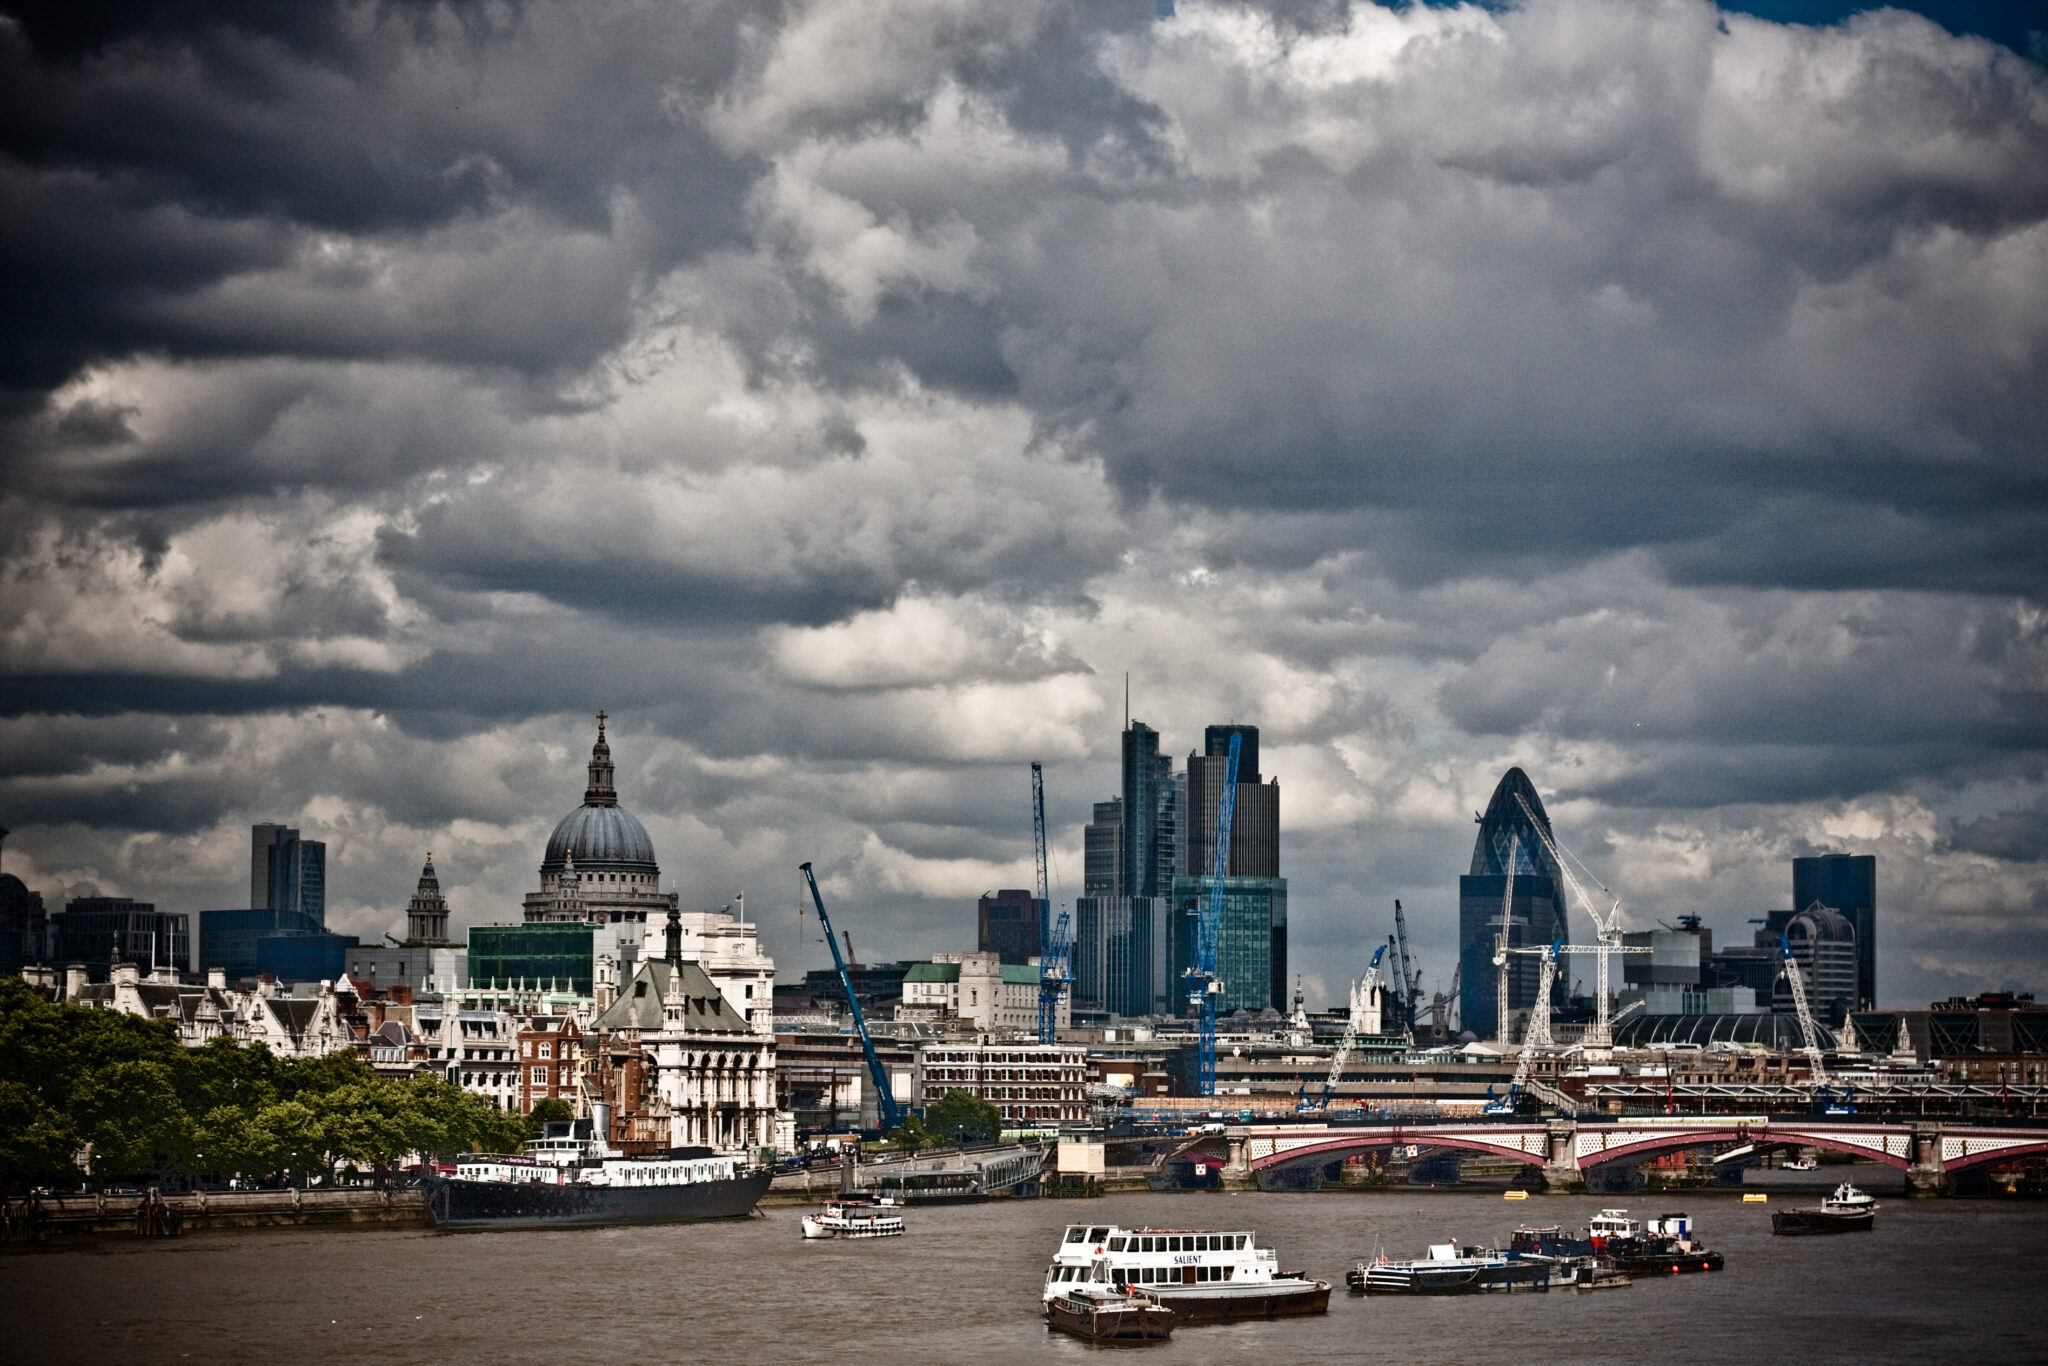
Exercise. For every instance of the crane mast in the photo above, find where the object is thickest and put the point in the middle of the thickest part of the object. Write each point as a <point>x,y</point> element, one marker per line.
<point>1361,1002</point>
<point>890,1112</point>
<point>1052,937</point>
<point>1407,975</point>
<point>1607,929</point>
<point>1203,988</point>
<point>1808,1031</point>
<point>1500,947</point>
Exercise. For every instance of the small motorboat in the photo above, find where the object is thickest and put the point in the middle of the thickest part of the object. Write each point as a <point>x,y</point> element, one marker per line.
<point>853,1219</point>
<point>1595,1273</point>
<point>1802,1164</point>
<point>1109,1316</point>
<point>1848,1210</point>
<point>1450,1270</point>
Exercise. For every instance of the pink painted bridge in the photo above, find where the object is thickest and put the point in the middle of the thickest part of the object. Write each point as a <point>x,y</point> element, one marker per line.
<point>1927,1151</point>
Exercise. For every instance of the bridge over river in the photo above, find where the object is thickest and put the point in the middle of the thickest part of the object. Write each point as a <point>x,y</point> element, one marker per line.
<point>1564,1149</point>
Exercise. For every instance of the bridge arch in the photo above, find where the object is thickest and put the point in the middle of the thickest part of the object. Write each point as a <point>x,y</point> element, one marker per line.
<point>1340,1146</point>
<point>1987,1155</point>
<point>1655,1145</point>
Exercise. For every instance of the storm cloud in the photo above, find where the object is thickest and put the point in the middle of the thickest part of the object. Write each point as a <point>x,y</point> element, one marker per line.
<point>847,396</point>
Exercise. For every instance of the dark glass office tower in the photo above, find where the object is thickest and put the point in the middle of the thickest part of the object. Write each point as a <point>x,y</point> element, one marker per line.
<point>1255,901</point>
<point>1141,804</point>
<point>1536,915</point>
<point>1845,883</point>
<point>287,873</point>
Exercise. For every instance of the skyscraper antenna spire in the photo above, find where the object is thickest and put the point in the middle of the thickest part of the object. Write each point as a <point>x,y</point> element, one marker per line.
<point>1127,699</point>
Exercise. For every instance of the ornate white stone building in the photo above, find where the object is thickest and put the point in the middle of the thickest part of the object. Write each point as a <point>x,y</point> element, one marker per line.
<point>678,1063</point>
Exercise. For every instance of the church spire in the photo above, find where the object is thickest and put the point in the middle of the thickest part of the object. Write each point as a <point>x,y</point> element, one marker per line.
<point>600,792</point>
<point>426,918</point>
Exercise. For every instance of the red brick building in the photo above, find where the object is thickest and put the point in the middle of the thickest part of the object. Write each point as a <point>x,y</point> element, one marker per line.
<point>550,1052</point>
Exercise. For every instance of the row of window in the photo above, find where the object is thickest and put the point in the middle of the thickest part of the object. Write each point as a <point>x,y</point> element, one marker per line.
<point>1181,1242</point>
<point>1169,1275</point>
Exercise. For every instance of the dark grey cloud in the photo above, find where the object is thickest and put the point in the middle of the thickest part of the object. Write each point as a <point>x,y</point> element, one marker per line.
<point>846,396</point>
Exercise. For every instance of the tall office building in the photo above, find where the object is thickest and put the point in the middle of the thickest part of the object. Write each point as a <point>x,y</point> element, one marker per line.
<point>1255,895</point>
<point>287,873</point>
<point>100,931</point>
<point>287,896</point>
<point>1102,841</point>
<point>1121,955</point>
<point>1535,914</point>
<point>1150,844</point>
<point>1846,883</point>
<point>1006,924</point>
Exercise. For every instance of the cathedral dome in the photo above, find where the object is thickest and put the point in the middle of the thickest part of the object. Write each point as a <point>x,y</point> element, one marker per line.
<point>600,835</point>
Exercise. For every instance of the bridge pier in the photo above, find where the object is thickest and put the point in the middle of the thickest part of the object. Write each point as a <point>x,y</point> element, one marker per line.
<point>1928,1173</point>
<point>1562,1174</point>
<point>1237,1168</point>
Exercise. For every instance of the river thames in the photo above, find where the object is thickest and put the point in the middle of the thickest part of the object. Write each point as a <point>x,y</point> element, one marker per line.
<point>1936,1281</point>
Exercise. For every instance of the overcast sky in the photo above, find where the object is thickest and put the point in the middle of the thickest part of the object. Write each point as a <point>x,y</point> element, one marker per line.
<point>846,396</point>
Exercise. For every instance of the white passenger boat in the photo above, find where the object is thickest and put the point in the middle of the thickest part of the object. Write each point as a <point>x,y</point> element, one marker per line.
<point>1199,1274</point>
<point>851,1219</point>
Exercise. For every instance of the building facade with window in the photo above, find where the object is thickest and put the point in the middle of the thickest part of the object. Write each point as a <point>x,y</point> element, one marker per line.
<point>550,1049</point>
<point>1032,1085</point>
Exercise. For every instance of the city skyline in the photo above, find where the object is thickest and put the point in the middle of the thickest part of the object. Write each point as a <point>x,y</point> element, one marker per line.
<point>1646,397</point>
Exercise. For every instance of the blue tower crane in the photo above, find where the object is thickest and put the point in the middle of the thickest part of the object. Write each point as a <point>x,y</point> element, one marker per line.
<point>1053,946</point>
<point>885,1095</point>
<point>1203,987</point>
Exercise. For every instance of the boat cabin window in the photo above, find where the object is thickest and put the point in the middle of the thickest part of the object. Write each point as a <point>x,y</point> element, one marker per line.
<point>1096,1235</point>
<point>1117,1244</point>
<point>1077,1234</point>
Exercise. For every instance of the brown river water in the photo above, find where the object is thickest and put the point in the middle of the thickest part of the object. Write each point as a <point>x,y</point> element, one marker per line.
<point>1937,1281</point>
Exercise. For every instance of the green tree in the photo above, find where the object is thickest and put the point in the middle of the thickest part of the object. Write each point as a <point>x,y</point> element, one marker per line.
<point>287,1137</point>
<point>911,1134</point>
<point>963,1118</point>
<point>129,1113</point>
<point>553,1110</point>
<point>38,1144</point>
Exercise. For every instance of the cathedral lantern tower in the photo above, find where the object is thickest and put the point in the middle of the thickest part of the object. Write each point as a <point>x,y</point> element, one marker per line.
<point>426,916</point>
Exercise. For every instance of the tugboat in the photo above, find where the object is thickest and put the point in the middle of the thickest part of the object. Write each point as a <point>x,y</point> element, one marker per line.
<point>1661,1247</point>
<point>1848,1210</point>
<point>572,1176</point>
<point>1106,1316</point>
<point>1201,1276</point>
<point>1450,1270</point>
<point>853,1218</point>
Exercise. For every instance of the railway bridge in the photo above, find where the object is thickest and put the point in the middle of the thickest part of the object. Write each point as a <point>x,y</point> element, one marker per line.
<point>1927,1151</point>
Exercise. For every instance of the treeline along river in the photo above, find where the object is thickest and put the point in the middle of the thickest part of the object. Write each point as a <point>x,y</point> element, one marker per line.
<point>1937,1281</point>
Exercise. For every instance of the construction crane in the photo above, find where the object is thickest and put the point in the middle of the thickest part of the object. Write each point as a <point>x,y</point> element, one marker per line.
<point>1536,1037</point>
<point>1052,937</point>
<point>1407,973</point>
<point>1361,1010</point>
<point>885,1096</point>
<point>1500,947</point>
<point>1808,1031</point>
<point>1607,926</point>
<point>1203,986</point>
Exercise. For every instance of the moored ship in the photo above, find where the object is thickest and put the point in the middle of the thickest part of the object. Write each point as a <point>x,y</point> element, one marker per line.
<point>1201,1275</point>
<point>1449,1270</point>
<point>1662,1246</point>
<point>1848,1210</point>
<point>1106,1316</point>
<point>569,1177</point>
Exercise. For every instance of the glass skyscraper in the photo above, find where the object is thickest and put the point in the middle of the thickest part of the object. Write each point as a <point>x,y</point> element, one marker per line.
<point>1846,883</point>
<point>1536,915</point>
